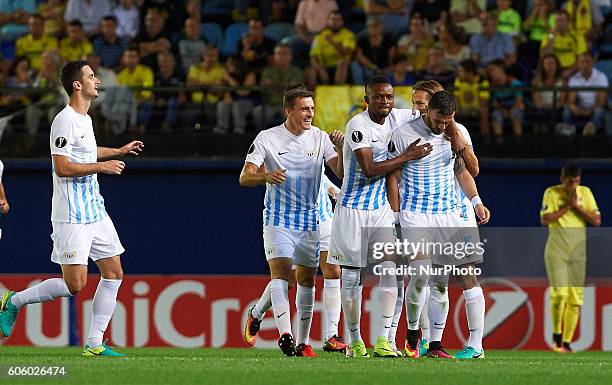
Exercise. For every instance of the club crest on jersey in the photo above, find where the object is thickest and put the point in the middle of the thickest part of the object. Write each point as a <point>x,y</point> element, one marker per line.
<point>61,142</point>
<point>391,147</point>
<point>357,136</point>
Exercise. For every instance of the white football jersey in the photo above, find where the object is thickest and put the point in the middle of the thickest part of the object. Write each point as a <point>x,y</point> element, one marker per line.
<point>326,211</point>
<point>75,199</point>
<point>426,185</point>
<point>358,191</point>
<point>464,202</point>
<point>292,204</point>
<point>1,170</point>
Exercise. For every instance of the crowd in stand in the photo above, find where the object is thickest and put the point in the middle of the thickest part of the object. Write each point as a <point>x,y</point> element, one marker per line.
<point>468,45</point>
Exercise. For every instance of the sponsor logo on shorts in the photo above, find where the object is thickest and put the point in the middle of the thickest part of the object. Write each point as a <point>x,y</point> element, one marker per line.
<point>70,254</point>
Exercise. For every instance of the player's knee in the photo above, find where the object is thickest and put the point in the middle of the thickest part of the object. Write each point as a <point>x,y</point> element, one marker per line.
<point>114,273</point>
<point>331,271</point>
<point>75,285</point>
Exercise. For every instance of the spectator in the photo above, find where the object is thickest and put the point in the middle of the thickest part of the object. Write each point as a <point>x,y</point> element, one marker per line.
<point>108,45</point>
<point>167,103</point>
<point>75,45</point>
<point>472,95</point>
<point>436,68</point>
<point>14,17</point>
<point>400,75</point>
<point>191,47</point>
<point>536,26</point>
<point>310,19</point>
<point>586,106</point>
<point>451,38</point>
<point>490,44</point>
<point>20,76</point>
<point>508,19</point>
<point>466,14</point>
<point>238,103</point>
<point>394,14</point>
<point>434,11</point>
<point>106,76</point>
<point>135,74</point>
<point>546,102</point>
<point>565,44</point>
<point>52,12</point>
<point>580,14</point>
<point>35,43</point>
<point>154,39</point>
<point>207,73</point>
<point>331,52</point>
<point>172,11</point>
<point>416,44</point>
<point>277,11</point>
<point>254,48</point>
<point>505,104</point>
<point>279,74</point>
<point>127,17</point>
<point>193,8</point>
<point>88,12</point>
<point>374,52</point>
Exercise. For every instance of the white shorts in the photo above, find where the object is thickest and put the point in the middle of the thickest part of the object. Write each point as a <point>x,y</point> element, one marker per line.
<point>75,243</point>
<point>354,233</point>
<point>451,232</point>
<point>300,245</point>
<point>325,228</point>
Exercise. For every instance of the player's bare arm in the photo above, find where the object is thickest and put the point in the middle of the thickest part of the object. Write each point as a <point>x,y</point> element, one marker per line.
<point>468,185</point>
<point>133,148</point>
<point>63,167</point>
<point>461,147</point>
<point>371,169</point>
<point>337,139</point>
<point>4,205</point>
<point>593,218</point>
<point>547,219</point>
<point>251,176</point>
<point>392,179</point>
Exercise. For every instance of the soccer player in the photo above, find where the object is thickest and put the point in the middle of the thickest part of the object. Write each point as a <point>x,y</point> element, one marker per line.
<point>331,279</point>
<point>363,216</point>
<point>82,228</point>
<point>4,205</point>
<point>427,199</point>
<point>294,154</point>
<point>567,208</point>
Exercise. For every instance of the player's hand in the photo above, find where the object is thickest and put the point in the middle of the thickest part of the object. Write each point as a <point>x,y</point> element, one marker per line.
<point>113,167</point>
<point>416,151</point>
<point>573,199</point>
<point>276,176</point>
<point>337,138</point>
<point>483,214</point>
<point>4,206</point>
<point>132,148</point>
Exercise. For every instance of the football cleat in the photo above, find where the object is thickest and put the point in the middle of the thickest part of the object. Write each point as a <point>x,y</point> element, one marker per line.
<point>8,314</point>
<point>251,328</point>
<point>412,346</point>
<point>101,351</point>
<point>383,348</point>
<point>357,350</point>
<point>469,353</point>
<point>287,345</point>
<point>397,351</point>
<point>334,344</point>
<point>304,350</point>
<point>423,348</point>
<point>438,352</point>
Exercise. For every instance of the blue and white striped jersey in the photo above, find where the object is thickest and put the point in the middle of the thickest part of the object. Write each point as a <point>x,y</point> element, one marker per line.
<point>358,191</point>
<point>326,211</point>
<point>293,203</point>
<point>75,199</point>
<point>426,185</point>
<point>464,202</point>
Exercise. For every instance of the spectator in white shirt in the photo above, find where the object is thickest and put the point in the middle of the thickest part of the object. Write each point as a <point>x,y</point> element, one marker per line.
<point>88,12</point>
<point>128,19</point>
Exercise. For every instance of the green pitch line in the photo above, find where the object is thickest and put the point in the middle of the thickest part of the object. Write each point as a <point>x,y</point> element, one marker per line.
<point>150,366</point>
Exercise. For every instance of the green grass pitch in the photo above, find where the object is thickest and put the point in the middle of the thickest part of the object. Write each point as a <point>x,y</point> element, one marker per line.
<point>150,366</point>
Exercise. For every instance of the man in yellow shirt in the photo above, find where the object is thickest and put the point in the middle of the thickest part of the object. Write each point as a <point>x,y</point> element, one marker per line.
<point>567,209</point>
<point>564,43</point>
<point>74,46</point>
<point>472,95</point>
<point>331,53</point>
<point>36,42</point>
<point>138,75</point>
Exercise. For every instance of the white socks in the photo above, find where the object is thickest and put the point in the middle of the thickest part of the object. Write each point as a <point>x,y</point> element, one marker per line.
<point>42,292</point>
<point>304,302</point>
<point>387,295</point>
<point>475,311</point>
<point>279,292</point>
<point>399,306</point>
<point>424,320</point>
<point>438,306</point>
<point>104,303</point>
<point>331,306</point>
<point>264,303</point>
<point>351,302</point>
<point>416,293</point>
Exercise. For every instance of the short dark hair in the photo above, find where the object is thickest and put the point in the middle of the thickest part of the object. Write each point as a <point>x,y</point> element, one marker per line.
<point>292,93</point>
<point>469,65</point>
<point>72,71</point>
<point>376,79</point>
<point>76,23</point>
<point>443,102</point>
<point>112,18</point>
<point>497,63</point>
<point>571,170</point>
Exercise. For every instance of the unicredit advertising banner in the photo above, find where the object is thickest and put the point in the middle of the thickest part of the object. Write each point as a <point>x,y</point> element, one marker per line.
<point>209,311</point>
